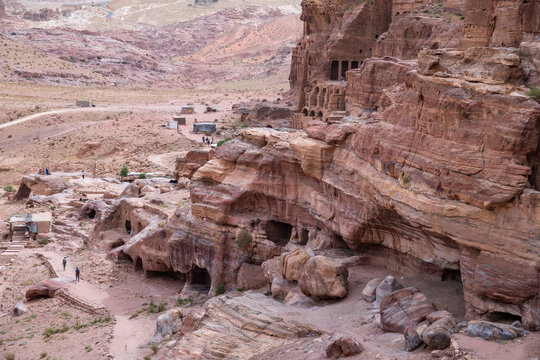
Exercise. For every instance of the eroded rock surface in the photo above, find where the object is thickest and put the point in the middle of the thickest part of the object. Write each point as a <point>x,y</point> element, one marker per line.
<point>236,327</point>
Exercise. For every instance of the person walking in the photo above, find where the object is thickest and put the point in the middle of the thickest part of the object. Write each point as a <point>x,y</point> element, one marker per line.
<point>64,262</point>
<point>77,274</point>
<point>83,174</point>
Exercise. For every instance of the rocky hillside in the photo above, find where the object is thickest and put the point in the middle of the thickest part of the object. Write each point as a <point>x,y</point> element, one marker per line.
<point>215,43</point>
<point>417,147</point>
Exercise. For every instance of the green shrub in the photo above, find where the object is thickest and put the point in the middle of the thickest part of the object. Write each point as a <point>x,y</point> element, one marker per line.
<point>9,356</point>
<point>9,188</point>
<point>142,176</point>
<point>161,307</point>
<point>125,171</point>
<point>406,180</point>
<point>183,302</point>
<point>43,241</point>
<point>43,355</point>
<point>243,239</point>
<point>154,348</point>
<point>533,92</point>
<point>220,289</point>
<point>221,142</point>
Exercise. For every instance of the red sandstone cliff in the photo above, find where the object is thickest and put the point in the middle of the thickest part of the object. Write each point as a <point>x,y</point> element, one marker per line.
<point>424,159</point>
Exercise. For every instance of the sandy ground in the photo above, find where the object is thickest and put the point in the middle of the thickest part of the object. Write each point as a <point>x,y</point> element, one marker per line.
<point>352,316</point>
<point>101,140</point>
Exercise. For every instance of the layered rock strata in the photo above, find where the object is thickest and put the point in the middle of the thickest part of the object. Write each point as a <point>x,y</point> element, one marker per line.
<point>430,167</point>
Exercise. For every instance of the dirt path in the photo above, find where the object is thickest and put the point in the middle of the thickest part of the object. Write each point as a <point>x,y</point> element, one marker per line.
<point>128,335</point>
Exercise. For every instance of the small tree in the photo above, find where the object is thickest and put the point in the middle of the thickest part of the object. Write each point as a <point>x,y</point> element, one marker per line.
<point>142,176</point>
<point>125,171</point>
<point>534,92</point>
<point>243,239</point>
<point>220,289</point>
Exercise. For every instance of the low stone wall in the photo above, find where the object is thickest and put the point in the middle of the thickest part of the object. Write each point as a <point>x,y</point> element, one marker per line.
<point>69,298</point>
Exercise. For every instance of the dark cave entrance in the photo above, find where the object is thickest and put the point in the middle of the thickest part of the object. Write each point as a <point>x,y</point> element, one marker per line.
<point>278,232</point>
<point>304,236</point>
<point>334,70</point>
<point>451,275</point>
<point>354,65</point>
<point>128,226</point>
<point>138,264</point>
<point>91,214</point>
<point>502,317</point>
<point>200,276</point>
<point>344,68</point>
<point>305,112</point>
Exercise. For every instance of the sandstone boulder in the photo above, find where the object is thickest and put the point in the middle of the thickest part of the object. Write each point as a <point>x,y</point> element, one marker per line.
<point>40,185</point>
<point>292,264</point>
<point>405,307</point>
<point>493,331</point>
<point>167,324</point>
<point>437,335</point>
<point>19,309</point>
<point>324,278</point>
<point>386,287</point>
<point>412,339</point>
<point>46,288</point>
<point>297,298</point>
<point>251,277</point>
<point>343,347</point>
<point>368,293</point>
<point>439,314</point>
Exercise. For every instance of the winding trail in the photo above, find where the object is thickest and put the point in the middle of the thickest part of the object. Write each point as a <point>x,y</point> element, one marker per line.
<point>128,335</point>
<point>186,130</point>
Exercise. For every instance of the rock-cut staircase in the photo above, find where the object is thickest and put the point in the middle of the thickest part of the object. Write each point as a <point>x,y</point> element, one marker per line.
<point>18,242</point>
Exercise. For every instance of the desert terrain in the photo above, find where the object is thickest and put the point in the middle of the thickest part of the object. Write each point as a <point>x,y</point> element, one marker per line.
<point>370,190</point>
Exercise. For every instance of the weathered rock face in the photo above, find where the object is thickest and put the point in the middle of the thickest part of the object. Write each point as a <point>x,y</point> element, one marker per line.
<point>419,140</point>
<point>438,175</point>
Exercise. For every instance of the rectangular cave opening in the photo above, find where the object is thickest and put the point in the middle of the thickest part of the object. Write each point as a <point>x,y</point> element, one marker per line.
<point>278,232</point>
<point>199,278</point>
<point>344,67</point>
<point>334,70</point>
<point>354,65</point>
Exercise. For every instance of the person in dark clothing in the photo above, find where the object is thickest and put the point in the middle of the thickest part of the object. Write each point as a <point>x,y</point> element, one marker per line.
<point>83,174</point>
<point>64,262</point>
<point>77,274</point>
<point>47,171</point>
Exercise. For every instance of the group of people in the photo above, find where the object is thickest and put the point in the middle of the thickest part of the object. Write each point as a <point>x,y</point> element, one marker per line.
<point>44,171</point>
<point>77,271</point>
<point>206,140</point>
